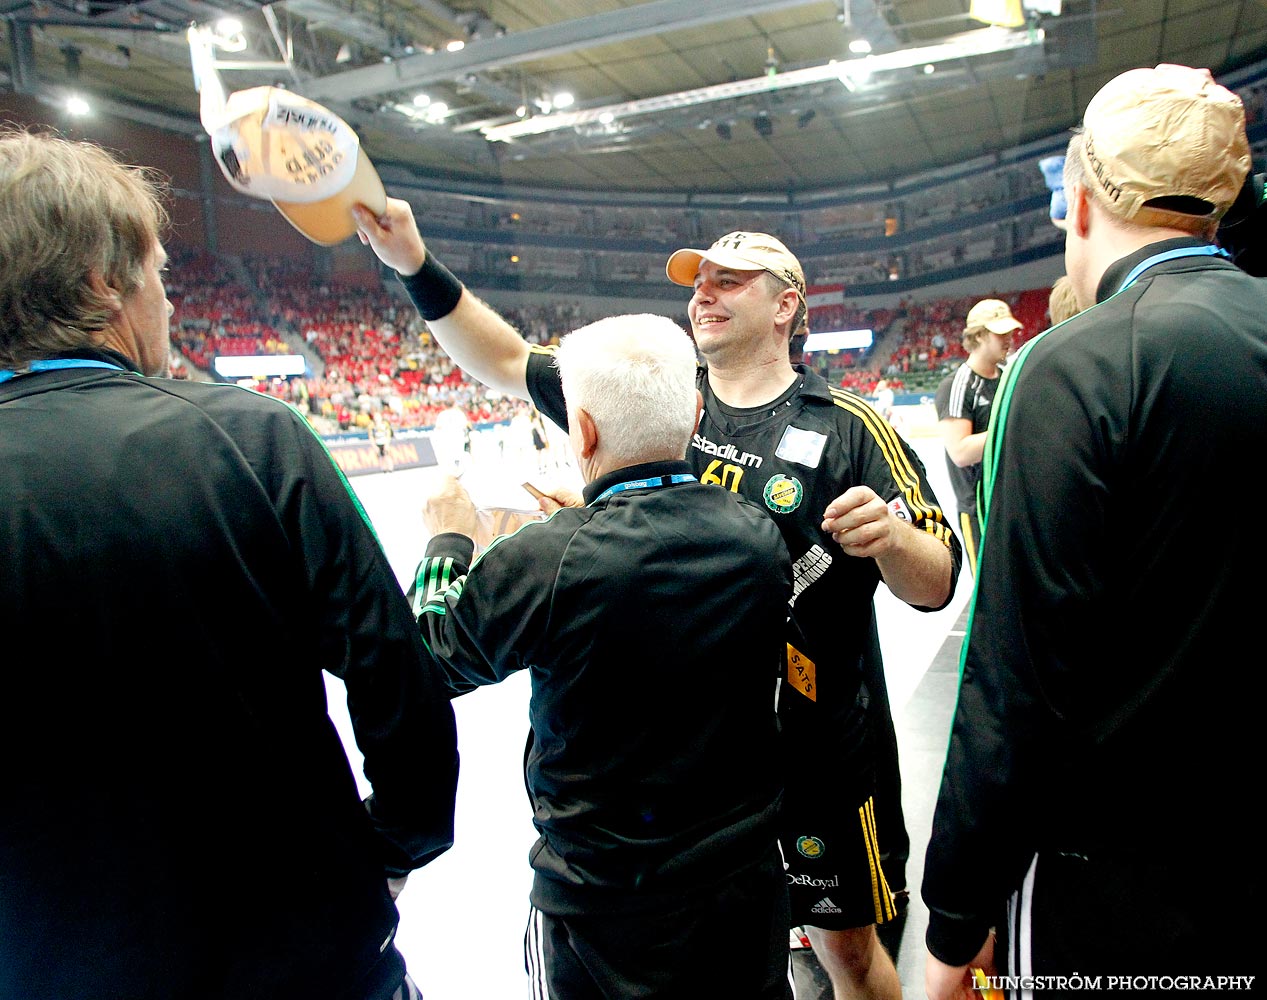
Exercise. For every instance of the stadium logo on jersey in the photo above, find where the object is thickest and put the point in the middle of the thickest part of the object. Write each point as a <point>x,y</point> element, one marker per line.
<point>810,847</point>
<point>824,905</point>
<point>783,494</point>
<point>726,451</point>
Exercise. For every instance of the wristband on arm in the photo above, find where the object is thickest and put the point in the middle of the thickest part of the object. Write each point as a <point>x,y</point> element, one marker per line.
<point>434,290</point>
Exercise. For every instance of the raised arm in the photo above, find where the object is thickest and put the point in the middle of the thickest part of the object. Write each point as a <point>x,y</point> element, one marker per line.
<point>478,340</point>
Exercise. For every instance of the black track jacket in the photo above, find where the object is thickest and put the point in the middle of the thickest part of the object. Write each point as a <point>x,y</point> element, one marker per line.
<point>1110,701</point>
<point>651,622</point>
<point>179,820</point>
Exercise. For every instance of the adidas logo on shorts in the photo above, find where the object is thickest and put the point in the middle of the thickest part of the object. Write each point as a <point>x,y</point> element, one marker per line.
<point>824,905</point>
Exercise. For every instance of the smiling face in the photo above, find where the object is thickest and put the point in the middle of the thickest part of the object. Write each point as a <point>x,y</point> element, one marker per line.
<point>733,312</point>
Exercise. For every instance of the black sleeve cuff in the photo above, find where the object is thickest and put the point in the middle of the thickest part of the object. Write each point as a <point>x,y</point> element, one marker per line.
<point>452,544</point>
<point>955,940</point>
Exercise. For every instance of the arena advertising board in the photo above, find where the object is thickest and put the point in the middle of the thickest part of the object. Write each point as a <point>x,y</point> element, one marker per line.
<point>358,456</point>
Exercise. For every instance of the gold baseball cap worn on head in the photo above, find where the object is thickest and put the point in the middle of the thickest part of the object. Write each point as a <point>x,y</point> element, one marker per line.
<point>1166,132</point>
<point>743,252</point>
<point>994,315</point>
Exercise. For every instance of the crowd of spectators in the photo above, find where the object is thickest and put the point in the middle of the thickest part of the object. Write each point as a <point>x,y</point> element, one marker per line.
<point>371,354</point>
<point>916,342</point>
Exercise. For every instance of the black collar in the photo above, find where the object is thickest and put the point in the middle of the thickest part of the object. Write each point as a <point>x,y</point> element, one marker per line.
<point>647,470</point>
<point>1112,279</point>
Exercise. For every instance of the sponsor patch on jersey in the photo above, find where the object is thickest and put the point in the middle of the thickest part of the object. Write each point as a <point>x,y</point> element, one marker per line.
<point>801,446</point>
<point>899,508</point>
<point>810,847</point>
<point>802,674</point>
<point>814,883</point>
<point>783,494</point>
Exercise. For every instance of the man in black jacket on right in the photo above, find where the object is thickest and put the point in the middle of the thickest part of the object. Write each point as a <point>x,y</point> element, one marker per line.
<point>1106,720</point>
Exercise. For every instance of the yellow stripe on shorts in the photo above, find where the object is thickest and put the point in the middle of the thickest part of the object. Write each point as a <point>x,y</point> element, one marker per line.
<point>881,897</point>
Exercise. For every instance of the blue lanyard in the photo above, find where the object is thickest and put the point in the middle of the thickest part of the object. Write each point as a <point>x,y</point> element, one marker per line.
<point>55,363</point>
<point>1210,251</point>
<point>642,484</point>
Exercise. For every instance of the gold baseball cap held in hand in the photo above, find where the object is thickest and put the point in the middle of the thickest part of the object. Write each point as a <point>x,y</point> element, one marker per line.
<point>306,160</point>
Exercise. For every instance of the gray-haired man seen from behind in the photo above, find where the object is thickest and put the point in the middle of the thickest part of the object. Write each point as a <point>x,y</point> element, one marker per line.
<point>650,620</point>
<point>1095,807</point>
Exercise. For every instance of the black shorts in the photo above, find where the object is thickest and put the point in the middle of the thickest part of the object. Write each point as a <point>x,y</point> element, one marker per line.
<point>731,942</point>
<point>829,835</point>
<point>834,877</point>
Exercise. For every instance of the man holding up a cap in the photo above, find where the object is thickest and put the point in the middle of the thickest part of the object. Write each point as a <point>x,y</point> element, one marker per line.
<point>853,505</point>
<point>963,403</point>
<point>1094,789</point>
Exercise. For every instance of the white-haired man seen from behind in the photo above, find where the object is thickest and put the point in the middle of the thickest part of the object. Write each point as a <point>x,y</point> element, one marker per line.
<point>1094,787</point>
<point>651,622</point>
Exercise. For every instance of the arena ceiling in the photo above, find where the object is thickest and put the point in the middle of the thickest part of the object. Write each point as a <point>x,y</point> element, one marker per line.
<point>755,96</point>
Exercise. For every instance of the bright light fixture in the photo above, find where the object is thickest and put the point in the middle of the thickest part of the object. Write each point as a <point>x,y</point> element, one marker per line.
<point>852,73</point>
<point>860,46</point>
<point>564,99</point>
<point>76,105</point>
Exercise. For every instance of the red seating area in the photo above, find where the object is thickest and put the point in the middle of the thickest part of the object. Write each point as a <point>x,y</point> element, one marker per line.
<point>380,357</point>
<point>931,340</point>
<point>378,354</point>
<point>214,313</point>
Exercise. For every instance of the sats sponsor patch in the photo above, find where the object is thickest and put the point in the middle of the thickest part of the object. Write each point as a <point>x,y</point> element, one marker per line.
<point>802,674</point>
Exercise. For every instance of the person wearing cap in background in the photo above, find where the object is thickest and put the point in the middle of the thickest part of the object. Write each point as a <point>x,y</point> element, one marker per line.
<point>963,402</point>
<point>182,560</point>
<point>854,506</point>
<point>1094,806</point>
<point>653,763</point>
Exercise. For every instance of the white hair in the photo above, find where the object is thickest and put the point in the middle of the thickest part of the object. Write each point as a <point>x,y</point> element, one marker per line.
<point>635,375</point>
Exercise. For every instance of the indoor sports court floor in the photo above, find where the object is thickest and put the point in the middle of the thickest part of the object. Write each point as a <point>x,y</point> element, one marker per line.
<point>462,917</point>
